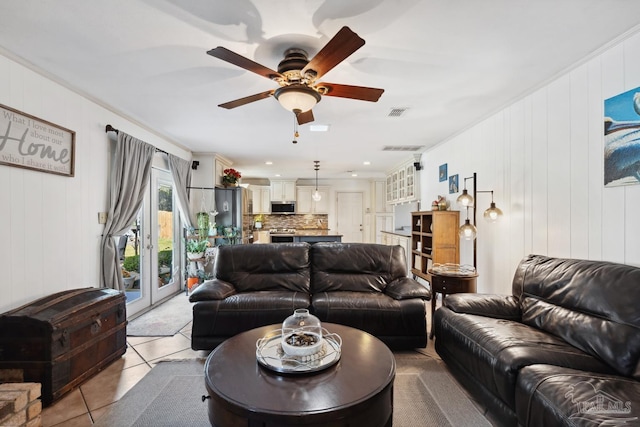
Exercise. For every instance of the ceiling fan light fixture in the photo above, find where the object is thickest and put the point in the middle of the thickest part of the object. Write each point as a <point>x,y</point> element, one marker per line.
<point>297,97</point>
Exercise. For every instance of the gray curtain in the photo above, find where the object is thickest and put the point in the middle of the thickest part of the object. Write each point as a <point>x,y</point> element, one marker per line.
<point>130,172</point>
<point>181,172</point>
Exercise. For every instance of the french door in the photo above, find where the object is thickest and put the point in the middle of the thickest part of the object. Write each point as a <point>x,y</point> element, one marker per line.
<point>156,244</point>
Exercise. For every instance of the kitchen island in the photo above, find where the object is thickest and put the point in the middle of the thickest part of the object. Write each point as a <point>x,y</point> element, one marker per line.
<point>309,236</point>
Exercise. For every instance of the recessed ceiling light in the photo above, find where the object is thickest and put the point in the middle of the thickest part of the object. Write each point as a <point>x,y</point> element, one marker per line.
<point>366,163</point>
<point>277,174</point>
<point>268,162</point>
<point>354,174</point>
<point>319,128</point>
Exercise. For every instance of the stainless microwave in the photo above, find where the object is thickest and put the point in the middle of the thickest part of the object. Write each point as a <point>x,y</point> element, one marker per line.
<point>283,207</point>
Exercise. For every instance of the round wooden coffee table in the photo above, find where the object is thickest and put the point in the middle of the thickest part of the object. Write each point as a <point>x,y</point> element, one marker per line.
<point>358,390</point>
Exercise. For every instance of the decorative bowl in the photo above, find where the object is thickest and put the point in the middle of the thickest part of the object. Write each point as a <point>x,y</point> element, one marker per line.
<point>301,343</point>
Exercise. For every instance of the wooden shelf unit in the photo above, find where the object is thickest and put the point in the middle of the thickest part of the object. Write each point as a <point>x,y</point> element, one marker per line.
<point>434,240</point>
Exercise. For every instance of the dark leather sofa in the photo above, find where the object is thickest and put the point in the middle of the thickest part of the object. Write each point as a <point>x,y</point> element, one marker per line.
<point>563,349</point>
<point>359,285</point>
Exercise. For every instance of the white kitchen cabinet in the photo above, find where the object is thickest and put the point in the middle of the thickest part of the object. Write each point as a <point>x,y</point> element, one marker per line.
<point>283,191</point>
<point>401,185</point>
<point>305,203</point>
<point>261,199</point>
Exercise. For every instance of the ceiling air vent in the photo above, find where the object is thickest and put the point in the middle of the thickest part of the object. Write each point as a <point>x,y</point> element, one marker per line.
<point>402,147</point>
<point>397,112</point>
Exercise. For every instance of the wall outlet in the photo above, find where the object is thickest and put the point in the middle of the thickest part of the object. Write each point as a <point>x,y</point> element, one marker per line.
<point>102,217</point>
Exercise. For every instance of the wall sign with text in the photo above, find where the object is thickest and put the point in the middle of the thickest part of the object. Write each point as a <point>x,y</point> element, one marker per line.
<point>32,143</point>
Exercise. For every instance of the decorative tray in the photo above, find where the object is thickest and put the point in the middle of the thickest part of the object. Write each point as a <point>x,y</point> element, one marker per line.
<point>269,354</point>
<point>454,269</point>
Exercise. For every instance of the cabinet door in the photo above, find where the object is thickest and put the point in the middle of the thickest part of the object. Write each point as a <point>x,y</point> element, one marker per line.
<point>321,206</point>
<point>276,191</point>
<point>303,200</point>
<point>256,198</point>
<point>402,184</point>
<point>389,188</point>
<point>394,187</point>
<point>289,191</point>
<point>410,188</point>
<point>261,197</point>
<point>265,202</point>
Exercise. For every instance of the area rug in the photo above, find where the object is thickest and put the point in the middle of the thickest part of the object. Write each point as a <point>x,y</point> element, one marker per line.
<point>425,394</point>
<point>165,320</point>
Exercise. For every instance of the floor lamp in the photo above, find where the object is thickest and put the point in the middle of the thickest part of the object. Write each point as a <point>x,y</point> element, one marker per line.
<point>468,230</point>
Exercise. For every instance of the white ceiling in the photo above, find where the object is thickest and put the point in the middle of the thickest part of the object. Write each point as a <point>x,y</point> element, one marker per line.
<point>451,63</point>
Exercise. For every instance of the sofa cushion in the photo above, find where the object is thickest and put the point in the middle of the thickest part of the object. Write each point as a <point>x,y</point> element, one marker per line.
<point>244,311</point>
<point>359,267</point>
<point>586,303</point>
<point>279,266</point>
<point>376,313</point>
<point>551,396</point>
<point>494,350</point>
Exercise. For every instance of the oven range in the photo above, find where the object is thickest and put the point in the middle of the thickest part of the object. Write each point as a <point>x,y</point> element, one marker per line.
<point>282,235</point>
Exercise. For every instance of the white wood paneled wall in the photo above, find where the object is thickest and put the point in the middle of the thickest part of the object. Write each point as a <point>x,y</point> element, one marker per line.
<point>49,231</point>
<point>543,158</point>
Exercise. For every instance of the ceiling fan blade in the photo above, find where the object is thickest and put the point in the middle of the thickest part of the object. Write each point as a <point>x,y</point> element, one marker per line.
<point>306,117</point>
<point>343,44</point>
<point>246,100</point>
<point>353,92</point>
<point>242,62</point>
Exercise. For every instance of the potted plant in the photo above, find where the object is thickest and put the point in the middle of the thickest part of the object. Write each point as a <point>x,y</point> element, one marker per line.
<point>203,275</point>
<point>191,282</point>
<point>230,177</point>
<point>258,220</point>
<point>196,248</point>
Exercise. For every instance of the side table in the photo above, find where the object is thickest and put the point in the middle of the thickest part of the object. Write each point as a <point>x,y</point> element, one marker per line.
<point>449,284</point>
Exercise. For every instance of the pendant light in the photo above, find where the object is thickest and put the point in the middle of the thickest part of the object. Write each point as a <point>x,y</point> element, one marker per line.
<point>316,195</point>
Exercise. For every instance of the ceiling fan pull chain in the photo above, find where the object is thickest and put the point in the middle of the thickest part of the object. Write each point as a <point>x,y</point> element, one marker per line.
<point>295,128</point>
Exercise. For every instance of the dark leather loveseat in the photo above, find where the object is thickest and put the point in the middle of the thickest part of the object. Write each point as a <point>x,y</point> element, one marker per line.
<point>563,349</point>
<point>359,285</point>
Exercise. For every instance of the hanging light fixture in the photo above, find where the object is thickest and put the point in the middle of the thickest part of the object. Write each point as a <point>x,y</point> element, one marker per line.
<point>316,195</point>
<point>297,98</point>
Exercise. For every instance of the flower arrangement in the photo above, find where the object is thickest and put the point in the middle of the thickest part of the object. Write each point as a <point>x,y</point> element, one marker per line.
<point>230,176</point>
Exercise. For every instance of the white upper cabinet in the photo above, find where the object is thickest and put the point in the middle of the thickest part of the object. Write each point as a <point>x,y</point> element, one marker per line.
<point>261,199</point>
<point>401,184</point>
<point>283,191</point>
<point>305,203</point>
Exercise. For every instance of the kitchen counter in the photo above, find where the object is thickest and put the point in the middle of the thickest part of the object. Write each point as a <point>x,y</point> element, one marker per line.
<point>308,235</point>
<point>402,233</point>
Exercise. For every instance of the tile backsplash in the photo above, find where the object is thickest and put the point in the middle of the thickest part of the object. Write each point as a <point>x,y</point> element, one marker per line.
<point>299,222</point>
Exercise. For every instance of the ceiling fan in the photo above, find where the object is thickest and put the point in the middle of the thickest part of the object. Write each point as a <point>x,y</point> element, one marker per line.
<point>297,76</point>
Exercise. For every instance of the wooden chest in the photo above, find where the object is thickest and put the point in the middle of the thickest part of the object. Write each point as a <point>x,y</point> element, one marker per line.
<point>64,338</point>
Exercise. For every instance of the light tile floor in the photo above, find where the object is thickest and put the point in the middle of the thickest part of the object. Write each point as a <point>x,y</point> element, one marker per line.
<point>82,406</point>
